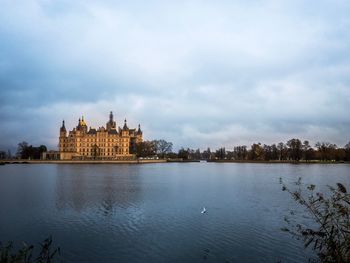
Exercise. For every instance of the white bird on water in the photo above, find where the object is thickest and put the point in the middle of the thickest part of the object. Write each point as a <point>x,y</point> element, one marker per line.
<point>204,210</point>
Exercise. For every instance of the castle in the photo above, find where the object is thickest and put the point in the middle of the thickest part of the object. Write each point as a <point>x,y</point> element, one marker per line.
<point>110,143</point>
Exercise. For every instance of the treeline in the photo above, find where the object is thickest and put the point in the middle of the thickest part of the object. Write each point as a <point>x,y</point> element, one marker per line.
<point>292,150</point>
<point>155,148</point>
<point>5,155</point>
<point>26,151</point>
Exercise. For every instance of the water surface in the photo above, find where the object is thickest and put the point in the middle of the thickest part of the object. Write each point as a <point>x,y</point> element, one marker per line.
<point>152,212</point>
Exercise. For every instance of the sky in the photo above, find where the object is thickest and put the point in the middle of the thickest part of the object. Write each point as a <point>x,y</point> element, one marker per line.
<point>196,73</point>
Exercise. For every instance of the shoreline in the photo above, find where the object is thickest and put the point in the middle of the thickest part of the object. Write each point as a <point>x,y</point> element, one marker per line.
<point>82,161</point>
<point>279,162</point>
<point>145,161</point>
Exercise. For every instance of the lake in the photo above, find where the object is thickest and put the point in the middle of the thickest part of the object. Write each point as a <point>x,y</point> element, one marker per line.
<point>152,212</point>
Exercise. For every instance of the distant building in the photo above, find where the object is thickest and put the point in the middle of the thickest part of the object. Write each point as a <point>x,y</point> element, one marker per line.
<point>50,155</point>
<point>108,143</point>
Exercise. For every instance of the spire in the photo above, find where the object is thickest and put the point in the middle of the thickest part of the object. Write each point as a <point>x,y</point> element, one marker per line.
<point>111,124</point>
<point>125,125</point>
<point>83,123</point>
<point>79,123</point>
<point>63,128</point>
<point>139,130</point>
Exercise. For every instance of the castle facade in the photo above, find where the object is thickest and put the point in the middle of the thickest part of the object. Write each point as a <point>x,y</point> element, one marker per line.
<point>105,143</point>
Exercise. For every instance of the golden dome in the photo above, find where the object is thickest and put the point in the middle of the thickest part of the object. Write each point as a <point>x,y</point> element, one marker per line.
<point>82,122</point>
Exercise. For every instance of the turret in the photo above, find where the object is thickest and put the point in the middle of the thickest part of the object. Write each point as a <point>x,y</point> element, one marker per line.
<point>82,125</point>
<point>63,131</point>
<point>139,132</point>
<point>125,127</point>
<point>111,124</point>
<point>125,130</point>
<point>139,135</point>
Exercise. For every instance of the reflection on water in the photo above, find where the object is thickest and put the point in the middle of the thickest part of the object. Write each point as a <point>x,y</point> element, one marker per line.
<point>80,187</point>
<point>152,213</point>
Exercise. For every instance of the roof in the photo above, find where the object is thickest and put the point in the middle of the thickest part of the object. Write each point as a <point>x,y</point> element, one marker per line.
<point>92,131</point>
<point>112,132</point>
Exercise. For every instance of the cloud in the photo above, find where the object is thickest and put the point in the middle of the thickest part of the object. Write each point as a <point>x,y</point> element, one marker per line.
<point>197,73</point>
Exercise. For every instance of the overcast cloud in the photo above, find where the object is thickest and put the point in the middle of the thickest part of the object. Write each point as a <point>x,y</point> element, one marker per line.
<point>197,73</point>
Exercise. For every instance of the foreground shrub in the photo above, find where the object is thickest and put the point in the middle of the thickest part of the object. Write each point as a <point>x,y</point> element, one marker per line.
<point>25,254</point>
<point>330,235</point>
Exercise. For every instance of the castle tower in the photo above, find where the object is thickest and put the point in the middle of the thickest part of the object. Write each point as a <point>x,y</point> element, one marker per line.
<point>139,134</point>
<point>62,138</point>
<point>63,131</point>
<point>125,131</point>
<point>111,124</point>
<point>82,125</point>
